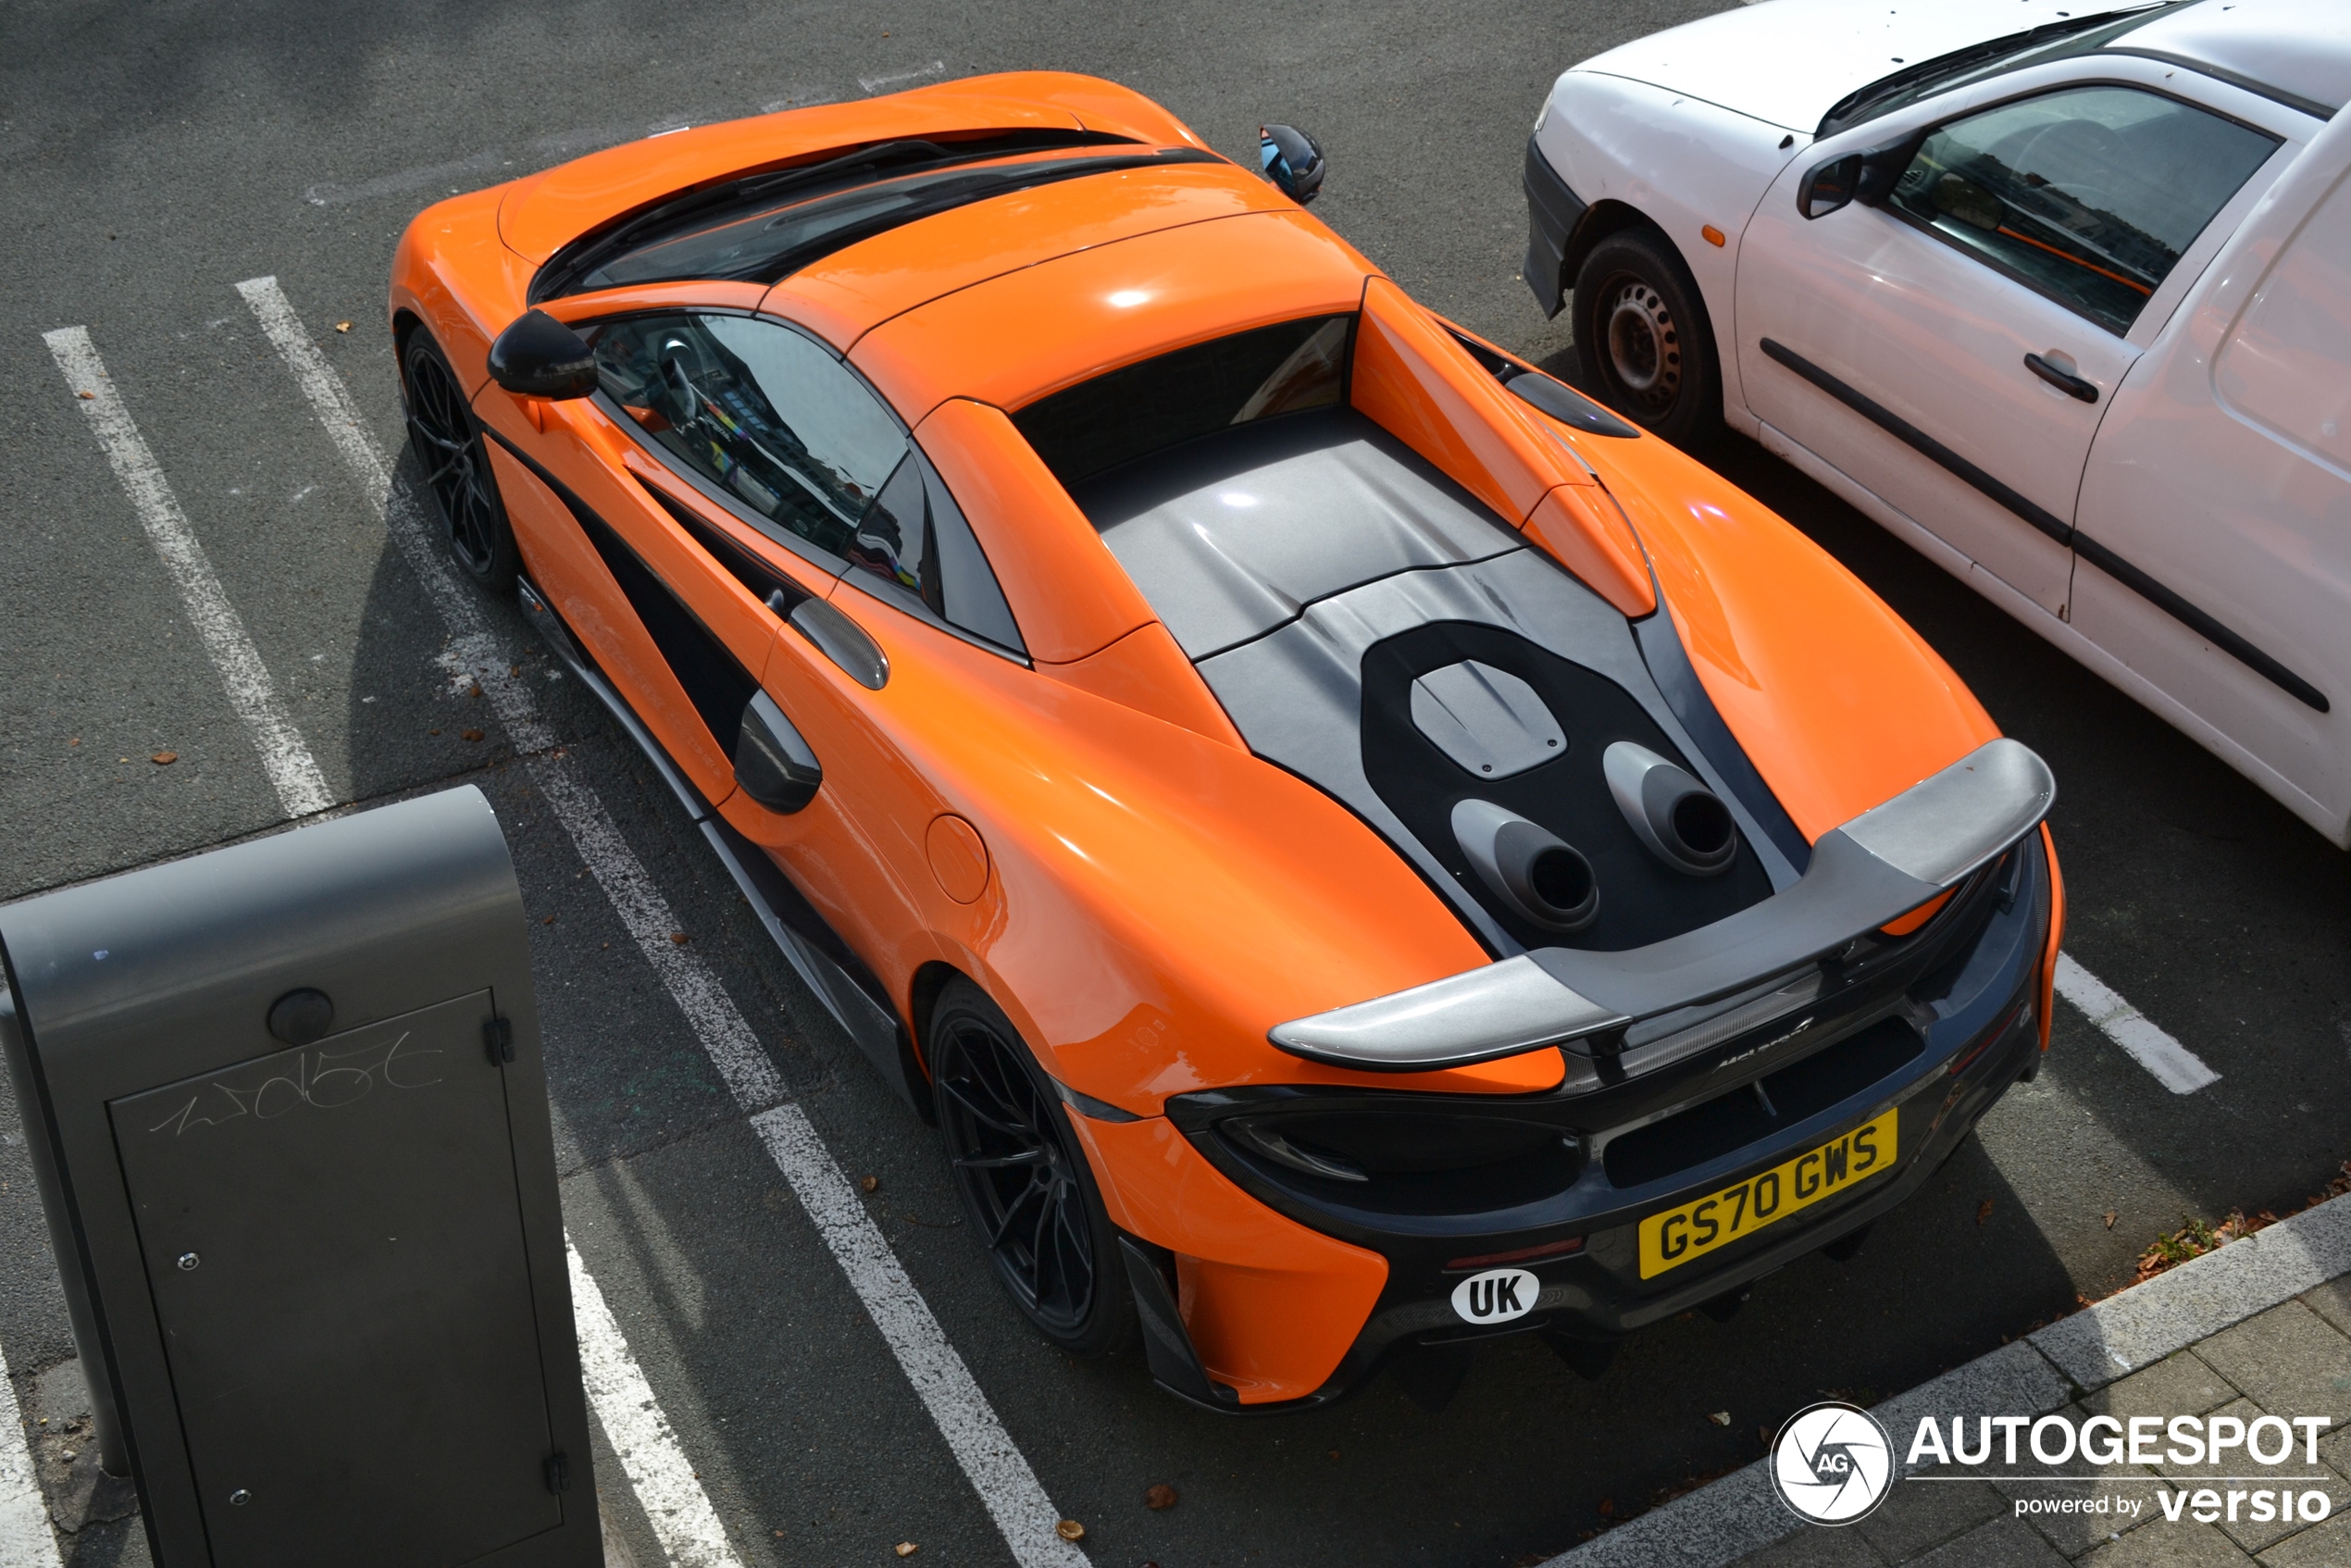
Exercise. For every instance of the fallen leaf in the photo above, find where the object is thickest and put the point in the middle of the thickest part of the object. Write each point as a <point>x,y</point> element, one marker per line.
<point>470,734</point>
<point>1160,1498</point>
<point>1608,1508</point>
<point>476,690</point>
<point>432,731</point>
<point>1070,1530</point>
<point>677,939</point>
<point>1720,1417</point>
<point>907,1549</point>
<point>75,742</point>
<point>868,1183</point>
<point>1984,1211</point>
<point>164,759</point>
<point>343,325</point>
<point>85,396</point>
<point>549,921</point>
<point>2111,1217</point>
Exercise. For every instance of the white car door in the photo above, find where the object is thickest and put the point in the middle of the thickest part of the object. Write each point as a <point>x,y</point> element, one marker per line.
<point>2216,513</point>
<point>1952,350</point>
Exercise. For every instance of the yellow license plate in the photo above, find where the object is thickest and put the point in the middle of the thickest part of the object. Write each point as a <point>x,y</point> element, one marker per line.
<point>1673,1237</point>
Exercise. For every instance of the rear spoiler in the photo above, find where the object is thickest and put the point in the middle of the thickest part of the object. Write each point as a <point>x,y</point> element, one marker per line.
<point>1863,875</point>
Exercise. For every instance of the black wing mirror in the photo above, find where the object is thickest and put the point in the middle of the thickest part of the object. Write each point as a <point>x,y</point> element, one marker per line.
<point>1866,178</point>
<point>1292,160</point>
<point>539,356</point>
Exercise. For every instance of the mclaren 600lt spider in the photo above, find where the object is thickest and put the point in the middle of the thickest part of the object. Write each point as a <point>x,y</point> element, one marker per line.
<point>1353,846</point>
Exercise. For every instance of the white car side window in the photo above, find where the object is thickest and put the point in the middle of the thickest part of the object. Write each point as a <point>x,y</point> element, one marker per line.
<point>2283,368</point>
<point>2088,195</point>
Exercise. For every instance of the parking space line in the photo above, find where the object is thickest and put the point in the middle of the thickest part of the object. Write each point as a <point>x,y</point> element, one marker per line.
<point>2174,1065</point>
<point>640,1435</point>
<point>990,1460</point>
<point>302,788</point>
<point>25,1538</point>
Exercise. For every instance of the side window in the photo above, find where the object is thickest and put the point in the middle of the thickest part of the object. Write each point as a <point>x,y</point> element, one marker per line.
<point>784,430</point>
<point>917,547</point>
<point>760,412</point>
<point>2089,194</point>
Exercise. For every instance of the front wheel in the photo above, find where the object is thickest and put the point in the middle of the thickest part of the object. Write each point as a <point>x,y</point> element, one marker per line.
<point>448,443</point>
<point>1024,1178</point>
<point>1642,333</point>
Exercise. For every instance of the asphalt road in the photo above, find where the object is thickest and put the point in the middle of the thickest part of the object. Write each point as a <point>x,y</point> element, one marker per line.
<point>154,156</point>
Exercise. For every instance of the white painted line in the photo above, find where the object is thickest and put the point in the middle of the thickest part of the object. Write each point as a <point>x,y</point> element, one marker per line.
<point>2174,1065</point>
<point>1007,1486</point>
<point>895,79</point>
<point>1024,1514</point>
<point>640,1435</point>
<point>25,1538</point>
<point>302,788</point>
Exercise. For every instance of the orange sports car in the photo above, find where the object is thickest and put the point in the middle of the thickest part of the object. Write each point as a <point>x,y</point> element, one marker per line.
<point>1355,847</point>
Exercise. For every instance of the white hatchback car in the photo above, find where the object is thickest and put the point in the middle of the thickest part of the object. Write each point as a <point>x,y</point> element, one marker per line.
<point>2068,307</point>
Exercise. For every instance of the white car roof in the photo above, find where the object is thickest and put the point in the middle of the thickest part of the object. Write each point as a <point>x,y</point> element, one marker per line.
<point>2295,48</point>
<point>1787,61</point>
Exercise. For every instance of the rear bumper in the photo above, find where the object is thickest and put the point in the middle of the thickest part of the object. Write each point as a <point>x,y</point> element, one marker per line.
<point>1938,1054</point>
<point>1552,213</point>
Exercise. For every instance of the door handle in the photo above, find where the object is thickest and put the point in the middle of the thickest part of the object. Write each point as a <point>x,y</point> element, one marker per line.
<point>2064,381</point>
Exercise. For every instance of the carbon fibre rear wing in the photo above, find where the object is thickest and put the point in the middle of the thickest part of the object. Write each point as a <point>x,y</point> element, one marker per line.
<point>1865,873</point>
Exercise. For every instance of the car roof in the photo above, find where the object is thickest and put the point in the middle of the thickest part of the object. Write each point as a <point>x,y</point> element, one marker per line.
<point>1034,330</point>
<point>848,293</point>
<point>2297,51</point>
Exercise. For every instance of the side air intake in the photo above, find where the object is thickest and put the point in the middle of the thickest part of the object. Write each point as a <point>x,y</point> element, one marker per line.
<point>1539,875</point>
<point>1684,823</point>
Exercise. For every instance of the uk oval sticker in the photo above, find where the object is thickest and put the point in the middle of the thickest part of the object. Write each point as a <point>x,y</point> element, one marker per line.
<point>1496,1296</point>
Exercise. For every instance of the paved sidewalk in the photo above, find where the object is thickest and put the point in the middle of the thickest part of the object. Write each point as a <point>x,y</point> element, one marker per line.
<point>2261,1326</point>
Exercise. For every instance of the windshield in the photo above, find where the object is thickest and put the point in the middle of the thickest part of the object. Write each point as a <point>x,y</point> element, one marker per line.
<point>761,228</point>
<point>2055,41</point>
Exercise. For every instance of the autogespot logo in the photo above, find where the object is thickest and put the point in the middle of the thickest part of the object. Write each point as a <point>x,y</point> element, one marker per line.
<point>1832,1463</point>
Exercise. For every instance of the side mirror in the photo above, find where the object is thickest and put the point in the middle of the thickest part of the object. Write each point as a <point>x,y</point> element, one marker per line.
<point>539,356</point>
<point>1865,177</point>
<point>1292,160</point>
<point>1829,186</point>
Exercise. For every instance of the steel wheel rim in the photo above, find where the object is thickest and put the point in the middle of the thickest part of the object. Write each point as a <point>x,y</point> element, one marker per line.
<point>441,430</point>
<point>1016,1168</point>
<point>1644,343</point>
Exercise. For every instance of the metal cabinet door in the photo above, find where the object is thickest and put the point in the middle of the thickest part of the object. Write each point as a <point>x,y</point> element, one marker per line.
<point>315,1226</point>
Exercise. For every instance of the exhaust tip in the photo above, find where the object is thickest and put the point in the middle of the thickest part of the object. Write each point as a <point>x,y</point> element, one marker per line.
<point>1539,876</point>
<point>1683,823</point>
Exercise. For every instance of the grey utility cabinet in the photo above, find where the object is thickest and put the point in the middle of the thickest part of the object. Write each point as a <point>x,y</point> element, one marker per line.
<point>287,1107</point>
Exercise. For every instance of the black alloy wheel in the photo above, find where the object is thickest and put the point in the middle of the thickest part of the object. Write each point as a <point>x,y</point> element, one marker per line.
<point>1642,334</point>
<point>1024,1179</point>
<point>449,445</point>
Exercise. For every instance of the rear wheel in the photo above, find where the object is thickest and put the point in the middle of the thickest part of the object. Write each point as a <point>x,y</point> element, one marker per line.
<point>448,443</point>
<point>1024,1178</point>
<point>1642,333</point>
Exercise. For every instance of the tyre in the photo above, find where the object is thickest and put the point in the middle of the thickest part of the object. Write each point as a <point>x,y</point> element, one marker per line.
<point>1024,1178</point>
<point>1642,333</point>
<point>448,443</point>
